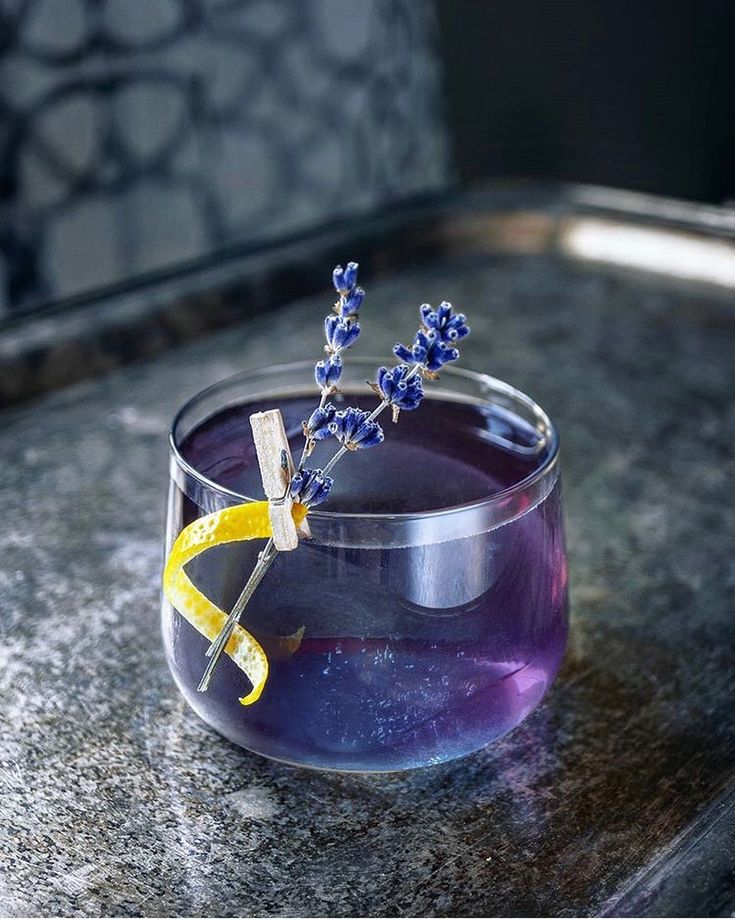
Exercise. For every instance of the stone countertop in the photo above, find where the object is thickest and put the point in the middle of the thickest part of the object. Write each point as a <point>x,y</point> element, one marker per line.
<point>614,797</point>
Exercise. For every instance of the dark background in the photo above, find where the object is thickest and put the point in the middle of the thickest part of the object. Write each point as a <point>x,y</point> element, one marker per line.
<point>636,95</point>
<point>138,139</point>
<point>140,136</point>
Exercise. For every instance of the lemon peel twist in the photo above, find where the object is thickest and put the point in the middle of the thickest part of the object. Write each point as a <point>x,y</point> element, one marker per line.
<point>231,524</point>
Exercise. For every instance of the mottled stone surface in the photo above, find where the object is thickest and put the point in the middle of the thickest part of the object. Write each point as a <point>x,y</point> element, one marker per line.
<point>118,800</point>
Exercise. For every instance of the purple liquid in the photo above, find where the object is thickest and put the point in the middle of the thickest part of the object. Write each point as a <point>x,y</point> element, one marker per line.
<point>410,656</point>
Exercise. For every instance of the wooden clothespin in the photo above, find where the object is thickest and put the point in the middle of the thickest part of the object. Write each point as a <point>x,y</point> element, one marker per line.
<point>276,470</point>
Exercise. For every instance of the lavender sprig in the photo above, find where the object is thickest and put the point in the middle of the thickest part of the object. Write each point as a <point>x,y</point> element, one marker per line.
<point>308,486</point>
<point>341,330</point>
<point>400,387</point>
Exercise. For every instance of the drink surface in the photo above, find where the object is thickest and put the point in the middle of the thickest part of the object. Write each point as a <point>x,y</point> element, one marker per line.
<point>411,655</point>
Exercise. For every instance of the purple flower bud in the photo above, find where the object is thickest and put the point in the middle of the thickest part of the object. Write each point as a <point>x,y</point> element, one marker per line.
<point>350,275</point>
<point>344,279</point>
<point>310,486</point>
<point>338,279</point>
<point>352,303</point>
<point>403,353</point>
<point>340,333</point>
<point>327,373</point>
<point>428,350</point>
<point>354,429</point>
<point>317,427</point>
<point>402,393</point>
<point>448,326</point>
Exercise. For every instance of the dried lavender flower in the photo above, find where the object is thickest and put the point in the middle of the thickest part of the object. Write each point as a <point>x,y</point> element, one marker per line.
<point>327,373</point>
<point>310,486</point>
<point>317,427</point>
<point>340,334</point>
<point>430,348</point>
<point>341,330</point>
<point>400,387</point>
<point>349,305</point>
<point>449,326</point>
<point>355,430</point>
<point>345,278</point>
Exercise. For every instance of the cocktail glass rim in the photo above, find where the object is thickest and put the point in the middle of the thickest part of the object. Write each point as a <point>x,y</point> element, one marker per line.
<point>488,385</point>
<point>499,507</point>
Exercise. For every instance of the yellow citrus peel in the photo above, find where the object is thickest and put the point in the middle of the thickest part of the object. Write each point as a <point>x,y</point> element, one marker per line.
<point>232,524</point>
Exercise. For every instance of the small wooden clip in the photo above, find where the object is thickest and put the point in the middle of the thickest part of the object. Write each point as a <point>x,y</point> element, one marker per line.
<point>276,469</point>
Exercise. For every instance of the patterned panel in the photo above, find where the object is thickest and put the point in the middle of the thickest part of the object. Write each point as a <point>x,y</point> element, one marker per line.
<point>139,134</point>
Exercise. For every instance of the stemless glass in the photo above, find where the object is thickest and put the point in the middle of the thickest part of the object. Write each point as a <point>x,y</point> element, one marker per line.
<point>429,604</point>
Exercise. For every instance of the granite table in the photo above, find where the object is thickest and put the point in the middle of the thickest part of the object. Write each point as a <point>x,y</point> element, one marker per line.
<point>615,797</point>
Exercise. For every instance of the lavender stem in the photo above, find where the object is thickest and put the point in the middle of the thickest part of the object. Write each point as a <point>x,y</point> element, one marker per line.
<point>215,650</point>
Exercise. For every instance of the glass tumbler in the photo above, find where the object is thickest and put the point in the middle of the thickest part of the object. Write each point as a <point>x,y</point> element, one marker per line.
<point>426,614</point>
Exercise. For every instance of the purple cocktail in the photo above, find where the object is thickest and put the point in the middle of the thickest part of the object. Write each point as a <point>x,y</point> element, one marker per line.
<point>429,606</point>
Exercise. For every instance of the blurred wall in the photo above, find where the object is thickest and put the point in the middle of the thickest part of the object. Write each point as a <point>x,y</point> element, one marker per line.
<point>140,134</point>
<point>625,93</point>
